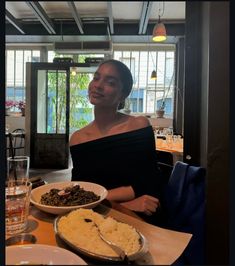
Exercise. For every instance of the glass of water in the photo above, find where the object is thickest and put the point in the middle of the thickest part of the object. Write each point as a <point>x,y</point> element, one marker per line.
<point>17,200</point>
<point>18,168</point>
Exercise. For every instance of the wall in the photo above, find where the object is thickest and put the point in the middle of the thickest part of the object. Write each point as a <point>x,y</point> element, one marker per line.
<point>15,122</point>
<point>161,122</point>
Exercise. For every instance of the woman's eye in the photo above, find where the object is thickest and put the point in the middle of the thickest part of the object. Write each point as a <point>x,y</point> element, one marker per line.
<point>111,82</point>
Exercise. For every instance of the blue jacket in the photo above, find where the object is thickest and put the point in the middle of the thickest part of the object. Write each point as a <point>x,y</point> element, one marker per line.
<point>185,209</point>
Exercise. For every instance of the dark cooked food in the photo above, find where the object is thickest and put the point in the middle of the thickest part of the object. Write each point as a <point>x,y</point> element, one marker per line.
<point>69,196</point>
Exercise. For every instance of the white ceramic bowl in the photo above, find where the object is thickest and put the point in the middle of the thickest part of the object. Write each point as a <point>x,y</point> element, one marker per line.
<point>41,255</point>
<point>39,191</point>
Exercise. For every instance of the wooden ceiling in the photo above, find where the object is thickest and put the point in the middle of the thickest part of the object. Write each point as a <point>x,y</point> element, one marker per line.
<point>126,21</point>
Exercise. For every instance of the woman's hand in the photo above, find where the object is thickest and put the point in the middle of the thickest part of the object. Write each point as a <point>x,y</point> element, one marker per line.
<point>146,204</point>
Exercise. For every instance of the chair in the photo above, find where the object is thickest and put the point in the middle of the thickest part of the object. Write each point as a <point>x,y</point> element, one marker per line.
<point>165,163</point>
<point>18,140</point>
<point>9,143</point>
<point>165,157</point>
<point>184,204</point>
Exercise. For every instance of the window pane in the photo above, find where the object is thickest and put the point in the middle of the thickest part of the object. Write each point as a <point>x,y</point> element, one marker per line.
<point>147,94</point>
<point>10,68</point>
<point>36,56</point>
<point>50,56</point>
<point>161,69</point>
<point>27,58</point>
<point>19,68</point>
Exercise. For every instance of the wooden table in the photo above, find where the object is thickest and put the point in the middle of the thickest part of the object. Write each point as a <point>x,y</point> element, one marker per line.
<point>165,246</point>
<point>176,148</point>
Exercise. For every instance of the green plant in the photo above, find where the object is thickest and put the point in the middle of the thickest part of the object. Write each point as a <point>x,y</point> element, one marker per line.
<point>78,83</point>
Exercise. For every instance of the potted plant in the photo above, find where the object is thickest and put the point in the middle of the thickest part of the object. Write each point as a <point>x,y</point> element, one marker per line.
<point>21,106</point>
<point>161,110</point>
<point>8,105</point>
<point>127,106</point>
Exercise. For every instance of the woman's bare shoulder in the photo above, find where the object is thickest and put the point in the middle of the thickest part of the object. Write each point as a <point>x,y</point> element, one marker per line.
<point>80,135</point>
<point>138,122</point>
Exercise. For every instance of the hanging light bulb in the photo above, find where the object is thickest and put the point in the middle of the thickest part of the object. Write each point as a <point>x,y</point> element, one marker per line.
<point>73,71</point>
<point>154,75</point>
<point>159,31</point>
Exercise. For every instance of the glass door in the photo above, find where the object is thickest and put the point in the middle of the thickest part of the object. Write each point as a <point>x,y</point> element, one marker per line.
<point>58,106</point>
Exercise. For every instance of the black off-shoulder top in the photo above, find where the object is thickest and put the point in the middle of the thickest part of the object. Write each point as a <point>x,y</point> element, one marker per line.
<point>125,159</point>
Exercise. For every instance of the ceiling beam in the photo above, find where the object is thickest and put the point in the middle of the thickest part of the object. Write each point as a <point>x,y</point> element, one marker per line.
<point>142,16</point>
<point>42,16</point>
<point>110,14</point>
<point>50,39</point>
<point>70,28</point>
<point>76,16</point>
<point>13,21</point>
<point>146,21</point>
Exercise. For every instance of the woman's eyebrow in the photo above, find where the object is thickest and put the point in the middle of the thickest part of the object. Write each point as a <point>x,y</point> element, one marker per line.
<point>112,77</point>
<point>107,76</point>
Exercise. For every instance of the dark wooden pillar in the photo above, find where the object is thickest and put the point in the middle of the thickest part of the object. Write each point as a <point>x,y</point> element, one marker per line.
<point>178,121</point>
<point>206,119</point>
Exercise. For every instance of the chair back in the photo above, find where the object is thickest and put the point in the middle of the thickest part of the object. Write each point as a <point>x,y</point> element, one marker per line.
<point>9,145</point>
<point>184,201</point>
<point>165,164</point>
<point>18,140</point>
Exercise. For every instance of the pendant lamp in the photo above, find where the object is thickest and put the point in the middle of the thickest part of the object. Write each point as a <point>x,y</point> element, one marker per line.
<point>154,75</point>
<point>159,31</point>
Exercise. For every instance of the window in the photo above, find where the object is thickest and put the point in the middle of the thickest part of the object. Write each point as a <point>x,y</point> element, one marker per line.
<point>16,72</point>
<point>147,94</point>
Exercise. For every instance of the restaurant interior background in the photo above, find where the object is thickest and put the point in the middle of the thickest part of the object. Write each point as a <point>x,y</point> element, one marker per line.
<point>192,69</point>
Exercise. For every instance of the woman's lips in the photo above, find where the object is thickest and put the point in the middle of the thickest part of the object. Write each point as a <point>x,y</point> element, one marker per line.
<point>96,95</point>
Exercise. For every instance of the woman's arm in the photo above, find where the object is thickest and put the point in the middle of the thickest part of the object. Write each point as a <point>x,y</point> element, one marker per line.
<point>121,194</point>
<point>126,197</point>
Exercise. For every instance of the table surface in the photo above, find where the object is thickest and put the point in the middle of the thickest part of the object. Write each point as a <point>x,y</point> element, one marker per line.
<point>174,147</point>
<point>164,246</point>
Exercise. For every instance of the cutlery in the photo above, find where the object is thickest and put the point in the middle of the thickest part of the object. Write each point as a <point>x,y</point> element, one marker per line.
<point>121,253</point>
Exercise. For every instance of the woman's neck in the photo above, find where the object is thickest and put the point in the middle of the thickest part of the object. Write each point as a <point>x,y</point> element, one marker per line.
<point>106,119</point>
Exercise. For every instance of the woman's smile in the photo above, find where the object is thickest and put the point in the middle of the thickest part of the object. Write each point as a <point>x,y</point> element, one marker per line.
<point>96,95</point>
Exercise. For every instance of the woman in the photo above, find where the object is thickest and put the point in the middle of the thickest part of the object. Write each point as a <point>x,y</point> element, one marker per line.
<point>117,150</point>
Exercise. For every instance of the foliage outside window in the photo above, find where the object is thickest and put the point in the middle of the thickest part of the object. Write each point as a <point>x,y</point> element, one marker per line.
<point>79,105</point>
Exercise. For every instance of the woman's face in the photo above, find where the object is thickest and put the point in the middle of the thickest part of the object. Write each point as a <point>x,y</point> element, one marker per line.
<point>106,87</point>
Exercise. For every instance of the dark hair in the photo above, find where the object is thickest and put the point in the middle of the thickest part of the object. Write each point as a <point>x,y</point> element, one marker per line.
<point>125,76</point>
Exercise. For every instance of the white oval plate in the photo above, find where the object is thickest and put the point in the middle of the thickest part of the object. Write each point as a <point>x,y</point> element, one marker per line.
<point>41,254</point>
<point>96,256</point>
<point>39,191</point>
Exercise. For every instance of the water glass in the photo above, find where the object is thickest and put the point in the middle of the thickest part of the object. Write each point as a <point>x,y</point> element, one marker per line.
<point>169,140</point>
<point>17,200</point>
<point>18,168</point>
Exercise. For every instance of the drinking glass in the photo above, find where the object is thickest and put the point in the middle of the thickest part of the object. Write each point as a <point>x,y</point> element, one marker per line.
<point>18,168</point>
<point>169,140</point>
<point>17,200</point>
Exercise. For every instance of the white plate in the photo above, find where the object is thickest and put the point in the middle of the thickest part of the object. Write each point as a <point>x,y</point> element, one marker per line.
<point>39,191</point>
<point>41,254</point>
<point>143,248</point>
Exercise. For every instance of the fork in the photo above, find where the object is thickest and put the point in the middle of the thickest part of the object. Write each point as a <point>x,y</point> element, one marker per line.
<point>121,253</point>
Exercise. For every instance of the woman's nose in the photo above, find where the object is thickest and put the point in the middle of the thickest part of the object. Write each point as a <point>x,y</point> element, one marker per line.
<point>99,84</point>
